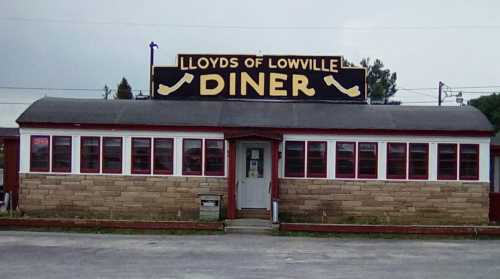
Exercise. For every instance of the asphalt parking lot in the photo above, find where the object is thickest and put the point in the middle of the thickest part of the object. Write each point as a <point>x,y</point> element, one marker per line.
<point>72,255</point>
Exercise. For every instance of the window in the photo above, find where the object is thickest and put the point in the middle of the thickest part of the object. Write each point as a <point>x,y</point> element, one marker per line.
<point>367,160</point>
<point>39,154</point>
<point>191,156</point>
<point>345,160</point>
<point>316,159</point>
<point>141,155</point>
<point>396,160</point>
<point>447,161</point>
<point>163,161</point>
<point>111,155</point>
<point>214,157</point>
<point>90,149</point>
<point>469,161</point>
<point>294,158</point>
<point>61,154</point>
<point>419,160</point>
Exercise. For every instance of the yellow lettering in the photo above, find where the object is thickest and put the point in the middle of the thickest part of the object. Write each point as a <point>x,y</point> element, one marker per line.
<point>293,63</point>
<point>271,65</point>
<point>233,62</point>
<point>182,64</point>
<point>257,86</point>
<point>213,61</point>
<point>275,83</point>
<point>299,83</point>
<point>203,63</point>
<point>204,91</point>
<point>232,84</point>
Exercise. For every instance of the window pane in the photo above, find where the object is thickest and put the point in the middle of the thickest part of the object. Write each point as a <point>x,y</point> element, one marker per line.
<point>61,154</point>
<point>469,161</point>
<point>316,159</point>
<point>254,162</point>
<point>141,155</point>
<point>447,161</point>
<point>294,156</point>
<point>39,153</point>
<point>89,154</point>
<point>163,156</point>
<point>419,160</point>
<point>112,155</point>
<point>367,160</point>
<point>345,159</point>
<point>192,152</point>
<point>396,160</point>
<point>214,154</point>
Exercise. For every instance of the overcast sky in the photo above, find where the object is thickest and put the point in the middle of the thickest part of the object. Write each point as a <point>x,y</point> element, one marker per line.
<point>87,44</point>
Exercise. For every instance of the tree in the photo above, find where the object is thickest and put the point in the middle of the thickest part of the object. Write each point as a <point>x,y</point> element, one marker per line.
<point>490,106</point>
<point>124,90</point>
<point>380,82</point>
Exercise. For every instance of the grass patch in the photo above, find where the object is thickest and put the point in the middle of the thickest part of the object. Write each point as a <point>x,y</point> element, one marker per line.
<point>384,236</point>
<point>118,231</point>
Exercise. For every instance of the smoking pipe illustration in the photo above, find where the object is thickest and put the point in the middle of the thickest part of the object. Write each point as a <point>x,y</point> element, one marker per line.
<point>351,92</point>
<point>167,90</point>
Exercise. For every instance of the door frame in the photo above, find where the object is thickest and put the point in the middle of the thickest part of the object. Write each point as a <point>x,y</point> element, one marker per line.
<point>233,136</point>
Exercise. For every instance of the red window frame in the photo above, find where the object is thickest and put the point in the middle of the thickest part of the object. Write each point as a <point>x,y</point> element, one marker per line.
<point>156,155</point>
<point>184,171</point>
<point>321,174</point>
<point>405,160</point>
<point>54,168</point>
<point>442,176</point>
<point>375,158</point>
<point>133,155</point>
<point>104,155</point>
<point>221,155</point>
<point>476,169</point>
<point>411,159</point>
<point>352,158</point>
<point>44,169</point>
<point>301,157</point>
<point>82,159</point>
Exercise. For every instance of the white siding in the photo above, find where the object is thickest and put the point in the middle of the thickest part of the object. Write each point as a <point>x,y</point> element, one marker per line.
<point>331,140</point>
<point>484,150</point>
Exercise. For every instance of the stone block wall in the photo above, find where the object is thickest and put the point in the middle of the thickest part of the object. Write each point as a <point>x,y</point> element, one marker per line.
<point>116,196</point>
<point>338,201</point>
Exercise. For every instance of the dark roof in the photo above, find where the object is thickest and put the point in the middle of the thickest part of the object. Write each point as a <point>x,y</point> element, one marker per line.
<point>9,132</point>
<point>255,114</point>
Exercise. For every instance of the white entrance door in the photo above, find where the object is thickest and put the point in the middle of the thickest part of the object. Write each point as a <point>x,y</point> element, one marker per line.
<point>254,175</point>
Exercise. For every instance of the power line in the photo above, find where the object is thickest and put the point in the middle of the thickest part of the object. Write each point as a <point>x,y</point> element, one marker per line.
<point>249,27</point>
<point>60,89</point>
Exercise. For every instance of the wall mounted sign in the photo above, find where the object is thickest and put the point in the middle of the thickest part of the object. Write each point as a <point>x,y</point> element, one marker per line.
<point>218,77</point>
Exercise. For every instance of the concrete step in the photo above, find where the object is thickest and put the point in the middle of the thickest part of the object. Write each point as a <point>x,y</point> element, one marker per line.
<point>248,230</point>
<point>254,214</point>
<point>250,226</point>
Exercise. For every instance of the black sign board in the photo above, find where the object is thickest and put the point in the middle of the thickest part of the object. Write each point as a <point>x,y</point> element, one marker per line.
<point>219,77</point>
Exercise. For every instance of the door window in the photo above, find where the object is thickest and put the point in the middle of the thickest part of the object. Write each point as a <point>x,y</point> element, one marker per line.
<point>255,163</point>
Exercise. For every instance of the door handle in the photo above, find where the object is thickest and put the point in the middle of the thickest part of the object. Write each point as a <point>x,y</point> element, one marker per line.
<point>269,189</point>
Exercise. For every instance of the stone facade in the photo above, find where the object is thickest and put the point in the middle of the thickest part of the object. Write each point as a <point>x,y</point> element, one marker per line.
<point>116,196</point>
<point>301,200</point>
<point>338,201</point>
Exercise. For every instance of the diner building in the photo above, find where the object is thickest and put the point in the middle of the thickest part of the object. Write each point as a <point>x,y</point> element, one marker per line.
<point>318,161</point>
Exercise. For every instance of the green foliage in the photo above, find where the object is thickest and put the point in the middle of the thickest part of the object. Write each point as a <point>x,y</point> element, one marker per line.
<point>381,83</point>
<point>490,106</point>
<point>124,90</point>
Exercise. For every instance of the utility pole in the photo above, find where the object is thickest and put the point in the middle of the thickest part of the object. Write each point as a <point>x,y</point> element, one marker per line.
<point>152,46</point>
<point>440,89</point>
